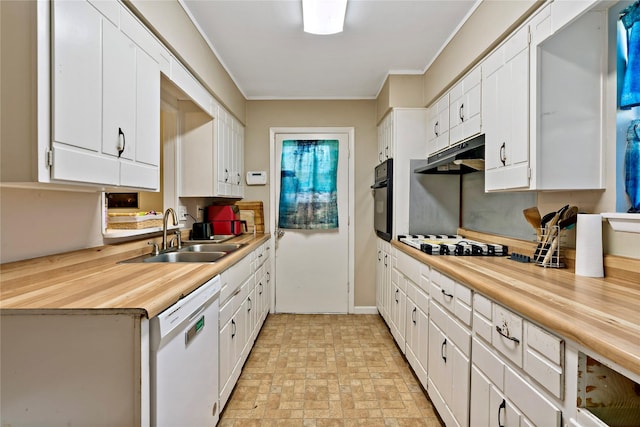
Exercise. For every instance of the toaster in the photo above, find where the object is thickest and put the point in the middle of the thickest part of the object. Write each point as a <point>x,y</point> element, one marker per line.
<point>225,220</point>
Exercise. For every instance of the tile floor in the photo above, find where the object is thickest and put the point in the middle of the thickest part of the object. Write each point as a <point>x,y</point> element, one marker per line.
<point>327,370</point>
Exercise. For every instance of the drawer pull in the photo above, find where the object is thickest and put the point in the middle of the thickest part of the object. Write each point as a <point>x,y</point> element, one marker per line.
<point>443,349</point>
<point>502,406</point>
<point>413,315</point>
<point>506,335</point>
<point>446,294</point>
<point>250,304</point>
<point>233,328</point>
<point>397,301</point>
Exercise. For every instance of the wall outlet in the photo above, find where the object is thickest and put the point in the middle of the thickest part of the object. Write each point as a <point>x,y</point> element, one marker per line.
<point>199,212</point>
<point>182,213</point>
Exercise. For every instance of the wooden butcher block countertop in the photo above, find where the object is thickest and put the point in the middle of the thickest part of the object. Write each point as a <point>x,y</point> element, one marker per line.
<point>92,279</point>
<point>601,314</point>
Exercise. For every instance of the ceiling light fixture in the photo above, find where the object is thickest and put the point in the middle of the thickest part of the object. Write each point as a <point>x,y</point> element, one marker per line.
<point>323,16</point>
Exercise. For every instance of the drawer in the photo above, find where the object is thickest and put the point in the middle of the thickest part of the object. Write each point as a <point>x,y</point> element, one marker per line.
<point>442,289</point>
<point>507,334</point>
<point>227,311</point>
<point>533,405</point>
<point>422,301</point>
<point>547,374</point>
<point>482,315</point>
<point>548,345</point>
<point>483,305</point>
<point>409,266</point>
<point>234,277</point>
<point>485,359</point>
<point>425,278</point>
<point>411,291</point>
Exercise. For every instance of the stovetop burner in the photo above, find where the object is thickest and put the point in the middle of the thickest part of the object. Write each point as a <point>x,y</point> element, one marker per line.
<point>445,244</point>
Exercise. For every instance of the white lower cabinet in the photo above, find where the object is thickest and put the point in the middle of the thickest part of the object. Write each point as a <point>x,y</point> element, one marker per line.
<point>417,331</point>
<point>383,279</point>
<point>245,304</point>
<point>449,363</point>
<point>499,368</point>
<point>481,363</point>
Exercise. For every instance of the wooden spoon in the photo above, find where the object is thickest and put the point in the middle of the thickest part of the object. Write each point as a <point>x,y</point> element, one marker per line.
<point>532,215</point>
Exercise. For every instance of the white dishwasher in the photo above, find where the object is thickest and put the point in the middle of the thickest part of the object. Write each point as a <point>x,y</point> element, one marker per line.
<point>184,360</point>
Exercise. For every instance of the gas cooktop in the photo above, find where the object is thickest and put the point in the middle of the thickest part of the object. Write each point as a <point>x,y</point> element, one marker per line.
<point>446,244</point>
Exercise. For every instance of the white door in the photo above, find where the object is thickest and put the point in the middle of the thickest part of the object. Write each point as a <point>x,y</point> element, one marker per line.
<point>312,265</point>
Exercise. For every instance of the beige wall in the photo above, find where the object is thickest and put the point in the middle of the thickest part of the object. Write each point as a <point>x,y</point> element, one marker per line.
<point>263,115</point>
<point>172,25</point>
<point>400,91</point>
<point>489,23</point>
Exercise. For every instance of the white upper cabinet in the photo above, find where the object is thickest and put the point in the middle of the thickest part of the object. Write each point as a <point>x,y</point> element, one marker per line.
<point>505,108</point>
<point>543,102</point>
<point>438,125</point>
<point>569,60</point>
<point>465,107</point>
<point>211,153</point>
<point>106,100</point>
<point>457,115</point>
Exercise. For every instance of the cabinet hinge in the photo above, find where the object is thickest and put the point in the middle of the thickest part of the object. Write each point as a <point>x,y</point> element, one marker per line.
<point>529,173</point>
<point>49,158</point>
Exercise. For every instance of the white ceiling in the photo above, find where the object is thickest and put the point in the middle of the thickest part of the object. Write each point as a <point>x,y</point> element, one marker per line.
<point>263,47</point>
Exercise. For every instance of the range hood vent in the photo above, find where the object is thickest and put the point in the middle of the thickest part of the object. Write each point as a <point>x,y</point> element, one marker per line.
<point>468,156</point>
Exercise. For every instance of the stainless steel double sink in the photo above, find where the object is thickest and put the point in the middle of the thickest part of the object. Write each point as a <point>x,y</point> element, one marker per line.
<point>199,252</point>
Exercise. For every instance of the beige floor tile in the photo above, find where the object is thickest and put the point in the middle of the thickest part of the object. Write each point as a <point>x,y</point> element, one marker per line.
<point>326,371</point>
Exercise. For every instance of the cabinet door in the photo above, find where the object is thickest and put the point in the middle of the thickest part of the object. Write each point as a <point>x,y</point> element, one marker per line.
<point>460,383</point>
<point>77,74</point>
<point>77,96</point>
<point>144,171</point>
<point>465,108</point>
<point>147,109</point>
<point>119,93</point>
<point>439,370</point>
<point>227,351</point>
<point>506,114</point>
<point>379,276</point>
<point>494,411</point>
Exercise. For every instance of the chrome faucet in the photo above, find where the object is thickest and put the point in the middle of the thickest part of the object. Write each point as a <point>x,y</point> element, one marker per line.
<point>164,226</point>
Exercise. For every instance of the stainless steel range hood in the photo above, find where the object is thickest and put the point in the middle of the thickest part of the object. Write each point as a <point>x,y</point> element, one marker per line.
<point>468,156</point>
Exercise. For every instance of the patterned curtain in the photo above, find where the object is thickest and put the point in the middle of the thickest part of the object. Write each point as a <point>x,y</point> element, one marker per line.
<point>308,184</point>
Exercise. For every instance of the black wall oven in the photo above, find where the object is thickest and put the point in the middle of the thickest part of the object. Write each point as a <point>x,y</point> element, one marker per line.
<point>383,200</point>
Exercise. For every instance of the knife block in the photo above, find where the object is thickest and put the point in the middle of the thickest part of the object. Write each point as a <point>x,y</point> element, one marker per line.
<point>549,252</point>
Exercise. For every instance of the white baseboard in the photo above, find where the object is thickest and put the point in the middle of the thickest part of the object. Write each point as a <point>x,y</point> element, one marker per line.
<point>365,310</point>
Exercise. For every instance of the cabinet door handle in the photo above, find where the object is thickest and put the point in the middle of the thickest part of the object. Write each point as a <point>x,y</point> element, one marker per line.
<point>385,260</point>
<point>503,406</point>
<point>506,335</point>
<point>413,315</point>
<point>380,156</point>
<point>446,294</point>
<point>443,350</point>
<point>435,128</point>
<point>226,175</point>
<point>461,112</point>
<point>397,301</point>
<point>379,259</point>
<point>233,328</point>
<point>268,276</point>
<point>238,178</point>
<point>503,153</point>
<point>124,142</point>
<point>250,304</point>
<point>386,151</point>
<point>260,284</point>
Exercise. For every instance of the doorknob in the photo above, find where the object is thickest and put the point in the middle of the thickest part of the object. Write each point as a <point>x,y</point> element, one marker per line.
<point>279,233</point>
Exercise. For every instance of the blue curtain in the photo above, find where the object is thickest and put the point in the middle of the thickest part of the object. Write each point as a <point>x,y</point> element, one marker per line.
<point>308,184</point>
<point>630,96</point>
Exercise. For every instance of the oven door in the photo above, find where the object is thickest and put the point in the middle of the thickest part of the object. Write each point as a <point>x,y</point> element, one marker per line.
<point>382,210</point>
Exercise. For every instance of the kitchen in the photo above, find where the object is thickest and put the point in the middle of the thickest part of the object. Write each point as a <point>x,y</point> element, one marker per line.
<point>77,215</point>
